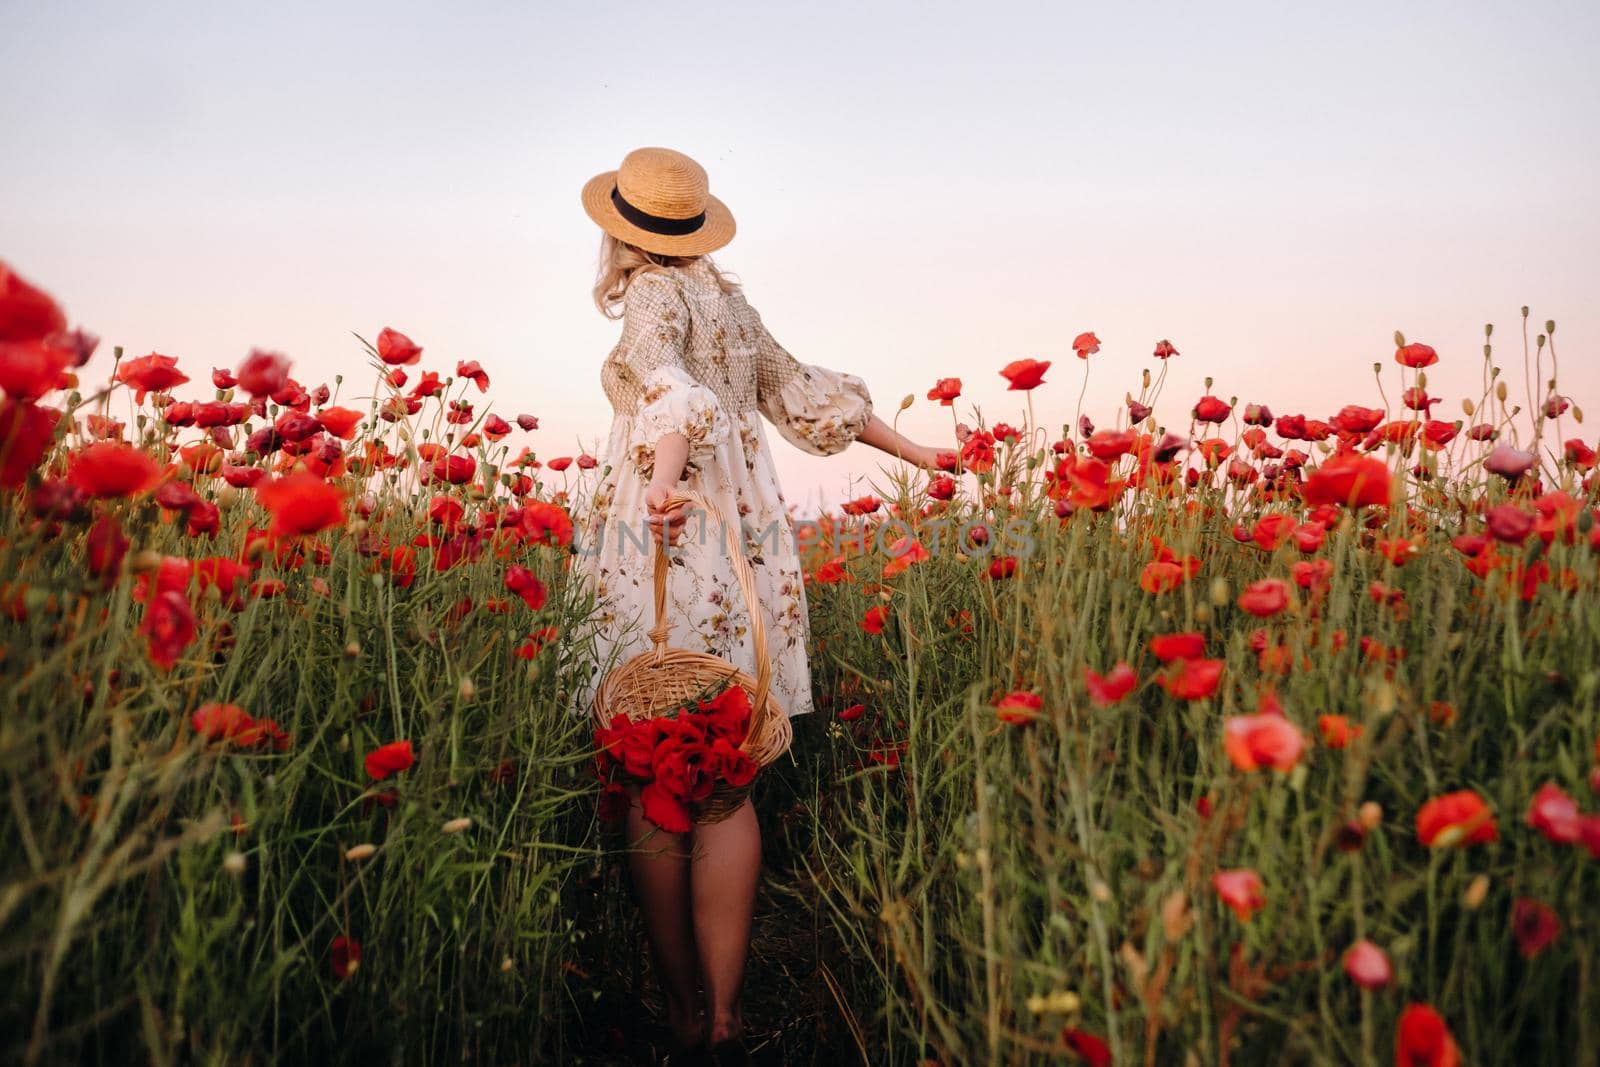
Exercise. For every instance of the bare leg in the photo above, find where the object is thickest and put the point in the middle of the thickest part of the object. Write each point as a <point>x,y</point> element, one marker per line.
<point>659,864</point>
<point>722,881</point>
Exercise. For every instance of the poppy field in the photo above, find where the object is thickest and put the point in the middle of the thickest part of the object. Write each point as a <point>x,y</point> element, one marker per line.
<point>1186,733</point>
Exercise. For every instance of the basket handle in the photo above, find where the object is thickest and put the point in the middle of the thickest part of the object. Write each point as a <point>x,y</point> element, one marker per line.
<point>747,585</point>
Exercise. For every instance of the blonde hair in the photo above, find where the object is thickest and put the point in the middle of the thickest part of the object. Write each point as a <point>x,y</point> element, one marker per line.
<point>621,262</point>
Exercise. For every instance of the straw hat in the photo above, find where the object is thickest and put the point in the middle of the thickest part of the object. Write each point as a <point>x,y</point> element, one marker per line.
<point>660,201</point>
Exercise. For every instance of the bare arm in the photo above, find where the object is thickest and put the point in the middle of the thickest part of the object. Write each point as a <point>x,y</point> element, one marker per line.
<point>672,452</point>
<point>885,438</point>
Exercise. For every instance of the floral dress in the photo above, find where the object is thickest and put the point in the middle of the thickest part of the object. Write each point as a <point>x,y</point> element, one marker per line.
<point>698,361</point>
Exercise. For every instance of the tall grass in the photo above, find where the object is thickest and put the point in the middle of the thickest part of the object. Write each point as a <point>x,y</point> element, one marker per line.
<point>960,888</point>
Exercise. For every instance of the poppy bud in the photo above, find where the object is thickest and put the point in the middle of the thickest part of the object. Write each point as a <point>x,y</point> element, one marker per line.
<point>1473,898</point>
<point>1468,407</point>
<point>1100,891</point>
<point>907,401</point>
<point>1370,815</point>
<point>466,690</point>
<point>1500,391</point>
<point>356,853</point>
<point>455,826</point>
<point>234,862</point>
<point>1219,591</point>
<point>506,965</point>
<point>352,650</point>
<point>145,561</point>
<point>1399,339</point>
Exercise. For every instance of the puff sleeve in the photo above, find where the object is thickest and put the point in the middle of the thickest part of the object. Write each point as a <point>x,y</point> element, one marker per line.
<point>650,365</point>
<point>815,409</point>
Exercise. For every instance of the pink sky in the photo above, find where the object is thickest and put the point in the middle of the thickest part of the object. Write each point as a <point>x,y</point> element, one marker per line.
<point>1276,191</point>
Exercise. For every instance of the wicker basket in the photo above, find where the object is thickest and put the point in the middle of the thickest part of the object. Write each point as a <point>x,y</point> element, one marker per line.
<point>662,679</point>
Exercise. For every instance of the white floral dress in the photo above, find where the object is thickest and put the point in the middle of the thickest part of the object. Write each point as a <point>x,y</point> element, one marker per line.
<point>698,361</point>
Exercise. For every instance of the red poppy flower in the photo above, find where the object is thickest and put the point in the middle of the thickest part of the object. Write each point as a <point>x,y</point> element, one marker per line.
<point>1509,524</point>
<point>1459,818</point>
<point>1337,731</point>
<point>852,713</point>
<point>154,373</point>
<point>1164,350</point>
<point>473,371</point>
<point>544,523</point>
<point>1211,409</point>
<point>106,548</point>
<point>1354,419</point>
<point>301,504</point>
<point>1554,814</point>
<point>942,488</point>
<point>396,349</point>
<point>389,759</point>
<point>1087,1047</point>
<point>1350,480</point>
<point>1265,598</point>
<point>262,373</point>
<point>1368,965</point>
<point>1018,708</point>
<point>1416,356</point>
<point>341,422</point>
<point>945,391</point>
<point>1169,647</point>
<point>25,433</point>
<point>112,469</point>
<point>1194,679</point>
<point>1025,373</point>
<point>525,584</point>
<point>168,628</point>
<point>26,313</point>
<point>1003,567</point>
<point>346,953</point>
<point>528,422</point>
<point>1262,740</point>
<point>1108,689</point>
<point>1241,890</point>
<point>1535,926</point>
<point>873,620</point>
<point>1086,344</point>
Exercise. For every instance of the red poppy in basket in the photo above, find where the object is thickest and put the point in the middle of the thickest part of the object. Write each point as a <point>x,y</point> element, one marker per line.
<point>679,759</point>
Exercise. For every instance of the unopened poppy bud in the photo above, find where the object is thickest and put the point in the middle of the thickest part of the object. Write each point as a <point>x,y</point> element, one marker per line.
<point>1500,391</point>
<point>352,649</point>
<point>466,691</point>
<point>506,965</point>
<point>1422,379</point>
<point>1473,898</point>
<point>907,401</point>
<point>1100,891</point>
<point>1399,339</point>
<point>455,826</point>
<point>1219,591</point>
<point>1202,613</point>
<point>1468,407</point>
<point>1577,416</point>
<point>1370,815</point>
<point>1147,377</point>
<point>356,853</point>
<point>144,561</point>
<point>234,862</point>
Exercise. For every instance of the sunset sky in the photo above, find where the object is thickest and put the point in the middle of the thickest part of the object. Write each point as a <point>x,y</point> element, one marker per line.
<point>921,190</point>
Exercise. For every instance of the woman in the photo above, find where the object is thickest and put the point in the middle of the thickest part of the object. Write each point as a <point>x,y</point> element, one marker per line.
<point>693,369</point>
